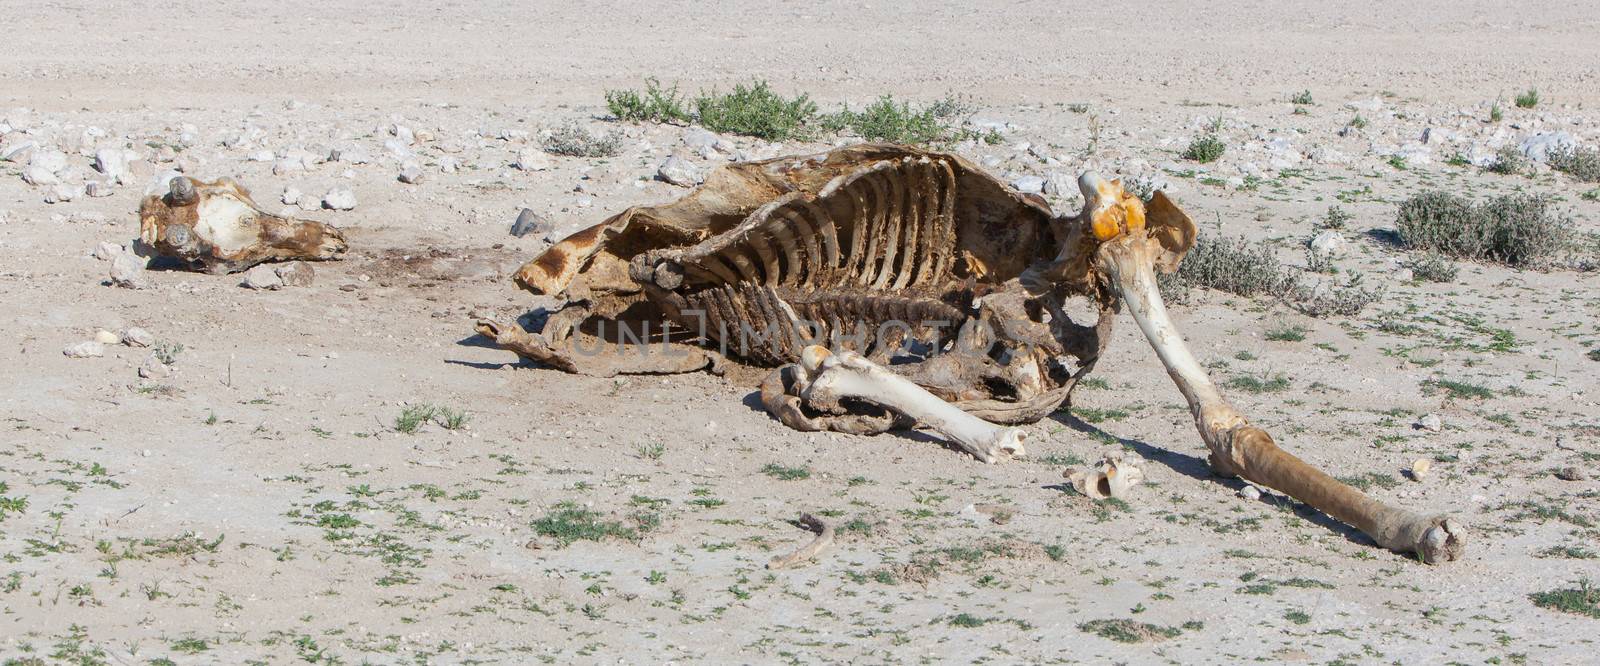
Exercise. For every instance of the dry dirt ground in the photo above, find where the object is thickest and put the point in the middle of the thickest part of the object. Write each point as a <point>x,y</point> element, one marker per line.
<point>260,504</point>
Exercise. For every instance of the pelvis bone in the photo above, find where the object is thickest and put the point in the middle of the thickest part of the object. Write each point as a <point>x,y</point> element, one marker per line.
<point>891,286</point>
<point>217,227</point>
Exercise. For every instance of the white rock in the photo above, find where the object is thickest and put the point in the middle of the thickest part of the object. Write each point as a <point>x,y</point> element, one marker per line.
<point>1539,146</point>
<point>1250,492</point>
<point>531,159</point>
<point>288,166</point>
<point>127,270</point>
<point>96,189</point>
<point>262,156</point>
<point>448,164</point>
<point>36,175</point>
<point>161,183</point>
<point>19,153</point>
<point>1029,184</point>
<point>680,172</point>
<point>1430,423</point>
<point>350,155</point>
<point>291,196</point>
<point>411,174</point>
<point>113,164</point>
<point>50,160</point>
<point>262,277</point>
<point>137,337</point>
<point>296,274</point>
<point>85,349</point>
<point>1373,104</point>
<point>64,192</point>
<point>106,337</point>
<point>339,198</point>
<point>1329,243</point>
<point>107,251</point>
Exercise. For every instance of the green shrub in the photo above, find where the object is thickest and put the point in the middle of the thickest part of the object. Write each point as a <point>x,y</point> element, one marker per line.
<point>1303,97</point>
<point>1205,148</point>
<point>887,120</point>
<point>1336,218</point>
<point>755,110</point>
<point>1517,229</point>
<point>655,104</point>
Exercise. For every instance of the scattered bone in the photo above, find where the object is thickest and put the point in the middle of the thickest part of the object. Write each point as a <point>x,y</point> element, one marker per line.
<point>85,349</point>
<point>1112,477</point>
<point>218,227</point>
<point>809,551</point>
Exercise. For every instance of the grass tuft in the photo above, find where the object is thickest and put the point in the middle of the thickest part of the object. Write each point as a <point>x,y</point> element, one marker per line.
<point>1581,600</point>
<point>782,473</point>
<point>1528,99</point>
<point>568,522</point>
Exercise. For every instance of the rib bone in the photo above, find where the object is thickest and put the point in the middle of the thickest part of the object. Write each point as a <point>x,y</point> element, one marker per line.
<point>1238,448</point>
<point>835,376</point>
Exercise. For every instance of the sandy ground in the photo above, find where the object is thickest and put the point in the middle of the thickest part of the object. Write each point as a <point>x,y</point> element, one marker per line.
<point>259,504</point>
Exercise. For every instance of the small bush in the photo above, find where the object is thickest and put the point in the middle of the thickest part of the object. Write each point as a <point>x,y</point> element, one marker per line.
<point>569,522</point>
<point>1346,300</point>
<point>1303,98</point>
<point>1358,122</point>
<point>1496,114</point>
<point>782,473</point>
<point>1234,265</point>
<point>655,104</point>
<point>1129,631</point>
<point>1205,148</point>
<point>574,141</point>
<point>1432,267</point>
<point>887,120</point>
<point>1509,161</point>
<point>1336,218</point>
<point>755,110</point>
<point>1528,99</point>
<point>1580,163</point>
<point>1517,230</point>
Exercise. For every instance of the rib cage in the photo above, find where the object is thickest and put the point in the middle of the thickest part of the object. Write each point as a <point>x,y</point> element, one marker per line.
<point>874,246</point>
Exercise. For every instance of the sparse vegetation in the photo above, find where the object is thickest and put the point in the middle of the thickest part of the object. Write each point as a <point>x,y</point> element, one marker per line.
<point>755,109</point>
<point>783,473</point>
<point>1302,98</point>
<point>1234,265</point>
<point>1207,147</point>
<point>1581,600</point>
<point>1335,218</point>
<point>900,122</point>
<point>413,417</point>
<point>1259,384</point>
<point>654,104</point>
<point>1508,160</point>
<point>1432,267</point>
<point>573,140</point>
<point>1129,631</point>
<point>568,522</point>
<point>1459,389</point>
<point>1517,229</point>
<point>1496,114</point>
<point>1527,99</point>
<point>1579,162</point>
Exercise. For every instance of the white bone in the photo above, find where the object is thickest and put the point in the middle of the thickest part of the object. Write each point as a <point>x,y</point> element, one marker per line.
<point>1112,477</point>
<point>846,374</point>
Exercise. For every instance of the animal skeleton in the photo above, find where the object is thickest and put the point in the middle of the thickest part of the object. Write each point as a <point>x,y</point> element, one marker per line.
<point>218,227</point>
<point>845,268</point>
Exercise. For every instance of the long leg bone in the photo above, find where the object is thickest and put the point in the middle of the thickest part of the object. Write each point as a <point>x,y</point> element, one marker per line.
<point>836,376</point>
<point>811,550</point>
<point>1238,448</point>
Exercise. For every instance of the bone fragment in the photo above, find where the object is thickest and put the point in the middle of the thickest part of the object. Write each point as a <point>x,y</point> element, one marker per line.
<point>846,374</point>
<point>811,550</point>
<point>1112,477</point>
